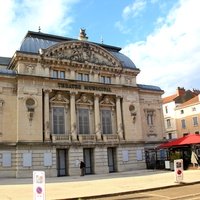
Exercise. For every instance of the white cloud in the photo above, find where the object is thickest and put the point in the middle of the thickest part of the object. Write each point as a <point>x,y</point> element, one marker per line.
<point>134,9</point>
<point>16,17</point>
<point>122,28</point>
<point>169,57</point>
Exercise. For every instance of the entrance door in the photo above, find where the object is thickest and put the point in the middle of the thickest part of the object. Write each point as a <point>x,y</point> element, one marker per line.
<point>150,156</point>
<point>112,159</point>
<point>62,162</point>
<point>88,160</point>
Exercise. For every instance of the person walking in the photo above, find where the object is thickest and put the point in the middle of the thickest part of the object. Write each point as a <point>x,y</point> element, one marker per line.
<point>82,167</point>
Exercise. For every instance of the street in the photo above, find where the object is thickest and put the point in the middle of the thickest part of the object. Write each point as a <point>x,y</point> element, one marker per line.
<point>183,192</point>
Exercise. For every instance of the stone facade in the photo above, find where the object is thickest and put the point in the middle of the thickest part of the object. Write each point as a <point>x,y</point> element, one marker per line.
<point>65,100</point>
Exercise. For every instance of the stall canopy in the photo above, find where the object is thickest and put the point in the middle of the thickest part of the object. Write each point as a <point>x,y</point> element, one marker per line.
<point>185,140</point>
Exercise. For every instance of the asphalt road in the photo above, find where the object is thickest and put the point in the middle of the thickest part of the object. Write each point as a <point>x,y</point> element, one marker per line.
<point>182,192</point>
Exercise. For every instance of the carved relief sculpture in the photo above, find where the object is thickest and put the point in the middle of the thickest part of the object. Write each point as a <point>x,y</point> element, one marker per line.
<point>133,112</point>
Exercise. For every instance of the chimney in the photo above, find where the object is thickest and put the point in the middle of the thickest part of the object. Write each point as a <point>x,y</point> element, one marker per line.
<point>82,35</point>
<point>180,91</point>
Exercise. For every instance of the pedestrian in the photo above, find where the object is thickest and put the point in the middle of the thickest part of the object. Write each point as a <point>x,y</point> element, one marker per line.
<point>194,159</point>
<point>82,167</point>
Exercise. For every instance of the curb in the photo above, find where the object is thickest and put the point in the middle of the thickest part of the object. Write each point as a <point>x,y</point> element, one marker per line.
<point>129,192</point>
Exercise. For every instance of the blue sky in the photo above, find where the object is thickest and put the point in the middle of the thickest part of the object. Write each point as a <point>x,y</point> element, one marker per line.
<point>160,36</point>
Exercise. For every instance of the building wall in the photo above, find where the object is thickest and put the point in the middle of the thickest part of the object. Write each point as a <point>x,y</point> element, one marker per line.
<point>187,114</point>
<point>28,141</point>
<point>170,120</point>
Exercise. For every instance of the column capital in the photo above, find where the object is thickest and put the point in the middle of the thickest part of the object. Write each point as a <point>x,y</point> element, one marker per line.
<point>97,94</point>
<point>73,93</point>
<point>118,97</point>
<point>47,90</point>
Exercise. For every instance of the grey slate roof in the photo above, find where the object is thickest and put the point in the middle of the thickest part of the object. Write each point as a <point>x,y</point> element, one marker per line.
<point>149,87</point>
<point>7,72</point>
<point>33,41</point>
<point>5,61</point>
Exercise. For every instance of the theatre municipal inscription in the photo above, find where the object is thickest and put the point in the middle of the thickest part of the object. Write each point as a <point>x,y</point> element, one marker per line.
<point>84,87</point>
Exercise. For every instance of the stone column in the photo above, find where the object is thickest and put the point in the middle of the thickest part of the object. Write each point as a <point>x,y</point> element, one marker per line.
<point>1,118</point>
<point>119,118</point>
<point>46,116</point>
<point>97,117</point>
<point>73,116</point>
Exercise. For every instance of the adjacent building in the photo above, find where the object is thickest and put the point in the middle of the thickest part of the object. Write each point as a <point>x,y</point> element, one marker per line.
<point>188,116</point>
<point>179,107</point>
<point>64,100</point>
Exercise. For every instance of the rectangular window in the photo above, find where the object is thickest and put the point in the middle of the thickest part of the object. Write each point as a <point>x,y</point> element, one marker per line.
<point>58,120</point>
<point>169,136</point>
<point>62,74</point>
<point>105,79</point>
<point>83,117</point>
<point>150,117</point>
<point>166,109</point>
<point>83,77</point>
<point>79,77</point>
<point>183,123</point>
<point>168,123</point>
<point>193,108</point>
<point>58,74</point>
<point>106,121</point>
<point>55,74</point>
<point>195,121</point>
<point>182,111</point>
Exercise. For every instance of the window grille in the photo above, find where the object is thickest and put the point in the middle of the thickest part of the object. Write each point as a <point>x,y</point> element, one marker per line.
<point>83,116</point>
<point>106,121</point>
<point>58,120</point>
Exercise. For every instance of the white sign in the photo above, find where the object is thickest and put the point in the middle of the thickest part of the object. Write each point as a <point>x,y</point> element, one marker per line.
<point>38,185</point>
<point>139,154</point>
<point>125,155</point>
<point>178,169</point>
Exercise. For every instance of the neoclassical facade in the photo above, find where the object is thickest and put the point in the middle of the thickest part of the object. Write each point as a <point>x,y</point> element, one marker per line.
<point>64,100</point>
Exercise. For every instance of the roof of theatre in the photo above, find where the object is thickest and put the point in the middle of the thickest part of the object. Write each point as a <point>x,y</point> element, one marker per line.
<point>34,41</point>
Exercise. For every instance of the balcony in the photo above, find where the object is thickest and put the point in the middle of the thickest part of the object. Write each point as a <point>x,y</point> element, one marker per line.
<point>110,137</point>
<point>87,137</point>
<point>61,138</point>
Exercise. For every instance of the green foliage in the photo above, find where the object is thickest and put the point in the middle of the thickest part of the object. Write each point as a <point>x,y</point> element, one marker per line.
<point>175,155</point>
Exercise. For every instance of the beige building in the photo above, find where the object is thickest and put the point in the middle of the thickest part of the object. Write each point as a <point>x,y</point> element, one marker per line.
<point>176,109</point>
<point>64,100</point>
<point>188,116</point>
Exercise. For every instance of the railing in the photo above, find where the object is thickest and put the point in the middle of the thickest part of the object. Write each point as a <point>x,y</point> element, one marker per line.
<point>111,137</point>
<point>84,138</point>
<point>87,138</point>
<point>61,138</point>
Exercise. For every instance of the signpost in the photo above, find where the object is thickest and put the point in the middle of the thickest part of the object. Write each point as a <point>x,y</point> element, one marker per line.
<point>178,169</point>
<point>38,185</point>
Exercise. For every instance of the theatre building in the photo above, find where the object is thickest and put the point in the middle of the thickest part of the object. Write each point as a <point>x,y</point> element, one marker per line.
<point>64,100</point>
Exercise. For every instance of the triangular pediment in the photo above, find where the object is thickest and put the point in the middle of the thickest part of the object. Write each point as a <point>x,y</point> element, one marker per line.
<point>59,99</point>
<point>84,100</point>
<point>82,52</point>
<point>107,101</point>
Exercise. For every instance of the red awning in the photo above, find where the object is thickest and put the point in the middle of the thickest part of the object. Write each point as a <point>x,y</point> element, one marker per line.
<point>185,140</point>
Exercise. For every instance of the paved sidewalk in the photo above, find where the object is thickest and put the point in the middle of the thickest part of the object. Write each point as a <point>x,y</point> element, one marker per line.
<point>74,187</point>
